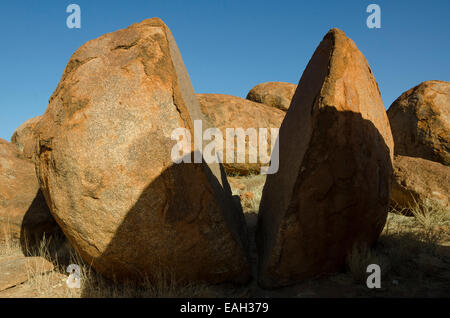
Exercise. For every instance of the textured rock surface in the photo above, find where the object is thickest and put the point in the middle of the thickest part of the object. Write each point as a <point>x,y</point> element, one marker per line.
<point>275,94</point>
<point>24,138</point>
<point>333,186</point>
<point>225,111</point>
<point>417,179</point>
<point>420,122</point>
<point>23,211</point>
<point>104,162</point>
<point>17,270</point>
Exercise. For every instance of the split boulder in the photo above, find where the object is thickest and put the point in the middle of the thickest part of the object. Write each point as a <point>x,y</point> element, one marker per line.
<point>333,186</point>
<point>104,163</point>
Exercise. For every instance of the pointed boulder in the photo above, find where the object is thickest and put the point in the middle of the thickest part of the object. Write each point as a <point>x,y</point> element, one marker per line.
<point>335,167</point>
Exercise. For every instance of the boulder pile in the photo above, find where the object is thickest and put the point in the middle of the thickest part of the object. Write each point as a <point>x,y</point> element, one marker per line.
<point>420,121</point>
<point>99,164</point>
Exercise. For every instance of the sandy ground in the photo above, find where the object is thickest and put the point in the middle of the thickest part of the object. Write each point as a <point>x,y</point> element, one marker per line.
<point>414,256</point>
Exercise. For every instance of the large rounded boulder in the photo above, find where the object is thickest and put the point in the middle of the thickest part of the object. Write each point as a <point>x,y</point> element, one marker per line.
<point>230,112</point>
<point>275,94</point>
<point>332,190</point>
<point>104,161</point>
<point>420,122</point>
<point>24,215</point>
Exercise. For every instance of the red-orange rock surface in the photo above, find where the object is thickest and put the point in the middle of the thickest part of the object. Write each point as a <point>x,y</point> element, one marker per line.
<point>24,138</point>
<point>417,180</point>
<point>420,122</point>
<point>104,163</point>
<point>333,187</point>
<point>275,94</point>
<point>225,111</point>
<point>23,211</point>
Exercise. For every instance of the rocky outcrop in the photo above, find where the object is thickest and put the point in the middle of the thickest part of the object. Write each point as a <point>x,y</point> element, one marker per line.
<point>225,111</point>
<point>275,94</point>
<point>104,164</point>
<point>417,180</point>
<point>333,186</point>
<point>420,122</point>
<point>24,215</point>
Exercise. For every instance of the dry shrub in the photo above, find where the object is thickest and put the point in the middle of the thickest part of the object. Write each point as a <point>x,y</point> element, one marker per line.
<point>360,257</point>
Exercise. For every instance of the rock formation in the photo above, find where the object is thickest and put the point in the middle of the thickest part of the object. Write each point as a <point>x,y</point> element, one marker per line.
<point>24,138</point>
<point>24,215</point>
<point>417,180</point>
<point>333,186</point>
<point>225,111</point>
<point>420,122</point>
<point>275,94</point>
<point>104,164</point>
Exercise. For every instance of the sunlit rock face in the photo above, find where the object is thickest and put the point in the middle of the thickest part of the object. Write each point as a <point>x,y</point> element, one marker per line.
<point>335,166</point>
<point>104,164</point>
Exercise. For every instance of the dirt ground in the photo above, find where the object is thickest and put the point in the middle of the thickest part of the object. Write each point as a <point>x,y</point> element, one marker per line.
<point>413,253</point>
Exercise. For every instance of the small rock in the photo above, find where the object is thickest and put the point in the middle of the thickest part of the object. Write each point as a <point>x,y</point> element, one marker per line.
<point>416,180</point>
<point>275,94</point>
<point>247,196</point>
<point>17,270</point>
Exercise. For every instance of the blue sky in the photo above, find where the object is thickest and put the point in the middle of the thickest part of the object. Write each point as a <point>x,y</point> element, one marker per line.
<point>228,46</point>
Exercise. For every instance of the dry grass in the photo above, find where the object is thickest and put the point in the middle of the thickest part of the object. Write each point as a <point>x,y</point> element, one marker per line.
<point>164,286</point>
<point>93,285</point>
<point>412,251</point>
<point>360,258</point>
<point>8,246</point>
<point>429,223</point>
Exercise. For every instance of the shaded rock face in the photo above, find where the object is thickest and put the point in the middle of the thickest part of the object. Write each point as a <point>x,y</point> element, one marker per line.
<point>225,111</point>
<point>275,94</point>
<point>417,179</point>
<point>420,122</point>
<point>24,138</point>
<point>104,164</point>
<point>24,215</point>
<point>333,187</point>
